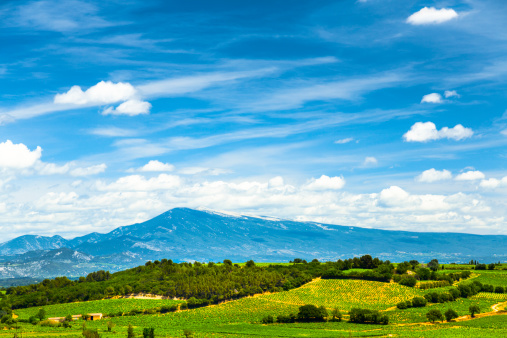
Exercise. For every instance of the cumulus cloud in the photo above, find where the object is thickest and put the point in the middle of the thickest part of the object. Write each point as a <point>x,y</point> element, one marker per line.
<point>427,131</point>
<point>432,175</point>
<point>432,16</point>
<point>276,182</point>
<point>451,93</point>
<point>471,175</point>
<point>345,140</point>
<point>131,108</point>
<point>393,196</point>
<point>432,98</point>
<point>370,161</point>
<point>104,92</point>
<point>87,171</point>
<point>326,183</point>
<point>140,183</point>
<point>18,156</point>
<point>155,165</point>
<point>493,183</point>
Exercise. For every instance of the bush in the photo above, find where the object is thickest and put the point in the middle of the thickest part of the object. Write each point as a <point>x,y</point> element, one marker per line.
<point>367,316</point>
<point>419,302</point>
<point>402,305</point>
<point>267,319</point>
<point>450,314</point>
<point>286,319</point>
<point>408,281</point>
<point>336,314</point>
<point>311,313</point>
<point>474,309</point>
<point>91,333</point>
<point>434,315</point>
<point>499,289</point>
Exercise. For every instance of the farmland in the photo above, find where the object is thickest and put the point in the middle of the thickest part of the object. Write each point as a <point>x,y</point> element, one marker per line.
<point>242,317</point>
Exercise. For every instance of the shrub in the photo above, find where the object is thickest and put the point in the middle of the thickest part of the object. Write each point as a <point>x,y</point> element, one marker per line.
<point>336,314</point>
<point>90,333</point>
<point>286,319</point>
<point>402,305</point>
<point>408,281</point>
<point>367,316</point>
<point>434,315</point>
<point>499,289</point>
<point>450,314</point>
<point>474,309</point>
<point>419,302</point>
<point>311,313</point>
<point>267,319</point>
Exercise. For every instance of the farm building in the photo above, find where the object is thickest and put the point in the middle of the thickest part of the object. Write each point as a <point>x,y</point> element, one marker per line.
<point>57,319</point>
<point>95,316</point>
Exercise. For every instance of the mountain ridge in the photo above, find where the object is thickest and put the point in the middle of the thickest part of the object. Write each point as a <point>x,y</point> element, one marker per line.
<point>183,234</point>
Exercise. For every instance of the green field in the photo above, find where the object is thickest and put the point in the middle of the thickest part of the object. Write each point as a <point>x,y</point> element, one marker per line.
<point>242,318</point>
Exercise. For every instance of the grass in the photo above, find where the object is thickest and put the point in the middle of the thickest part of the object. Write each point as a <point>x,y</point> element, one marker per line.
<point>97,306</point>
<point>346,294</point>
<point>241,318</point>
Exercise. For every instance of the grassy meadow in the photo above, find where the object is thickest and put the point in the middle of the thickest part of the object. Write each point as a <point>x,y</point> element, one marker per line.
<point>242,317</point>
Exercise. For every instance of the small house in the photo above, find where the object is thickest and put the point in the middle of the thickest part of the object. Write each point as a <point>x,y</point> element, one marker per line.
<point>95,316</point>
<point>57,319</point>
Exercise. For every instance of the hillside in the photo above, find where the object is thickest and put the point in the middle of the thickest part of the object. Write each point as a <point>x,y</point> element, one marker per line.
<point>183,234</point>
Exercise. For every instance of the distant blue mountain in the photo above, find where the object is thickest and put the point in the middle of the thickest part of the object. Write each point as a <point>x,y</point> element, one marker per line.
<point>183,234</point>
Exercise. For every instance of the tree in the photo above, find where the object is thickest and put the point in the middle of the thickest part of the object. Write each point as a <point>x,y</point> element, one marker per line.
<point>414,264</point>
<point>491,266</point>
<point>148,332</point>
<point>268,319</point>
<point>310,313</point>
<point>433,265</point>
<point>450,314</point>
<point>419,302</point>
<point>68,318</point>
<point>130,332</point>
<point>402,268</point>
<point>336,314</point>
<point>474,309</point>
<point>187,333</point>
<point>423,273</point>
<point>41,314</point>
<point>434,315</point>
<point>250,264</point>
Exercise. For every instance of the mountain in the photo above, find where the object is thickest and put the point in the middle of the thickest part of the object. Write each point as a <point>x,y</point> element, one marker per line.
<point>183,234</point>
<point>27,243</point>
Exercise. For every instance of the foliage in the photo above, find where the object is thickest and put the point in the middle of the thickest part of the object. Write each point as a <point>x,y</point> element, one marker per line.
<point>149,332</point>
<point>91,333</point>
<point>450,314</point>
<point>311,313</point>
<point>366,316</point>
<point>473,309</point>
<point>434,315</point>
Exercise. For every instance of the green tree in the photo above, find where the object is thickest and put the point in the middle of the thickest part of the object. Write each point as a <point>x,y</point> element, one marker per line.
<point>41,314</point>
<point>130,332</point>
<point>434,315</point>
<point>187,333</point>
<point>474,309</point>
<point>450,314</point>
<point>309,313</point>
<point>68,318</point>
<point>250,264</point>
<point>423,273</point>
<point>433,265</point>
<point>336,314</point>
<point>148,332</point>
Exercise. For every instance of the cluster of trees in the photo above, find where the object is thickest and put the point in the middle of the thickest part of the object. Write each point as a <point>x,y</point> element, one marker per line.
<point>434,315</point>
<point>312,313</point>
<point>441,279</point>
<point>366,316</point>
<point>200,283</point>
<point>462,291</point>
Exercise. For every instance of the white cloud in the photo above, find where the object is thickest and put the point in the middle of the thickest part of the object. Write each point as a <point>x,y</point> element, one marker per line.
<point>131,108</point>
<point>427,131</point>
<point>471,175</point>
<point>113,132</point>
<point>326,183</point>
<point>432,175</point>
<point>431,16</point>
<point>504,132</point>
<point>370,161</point>
<point>393,196</point>
<point>345,140</point>
<point>52,168</point>
<point>451,93</point>
<point>18,156</point>
<point>276,182</point>
<point>432,98</point>
<point>140,183</point>
<point>92,170</point>
<point>203,171</point>
<point>493,183</point>
<point>103,92</point>
<point>155,165</point>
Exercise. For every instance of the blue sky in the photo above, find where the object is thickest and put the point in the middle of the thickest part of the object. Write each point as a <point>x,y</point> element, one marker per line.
<point>387,114</point>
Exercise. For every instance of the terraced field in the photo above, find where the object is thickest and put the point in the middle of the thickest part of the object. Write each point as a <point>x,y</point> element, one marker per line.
<point>345,294</point>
